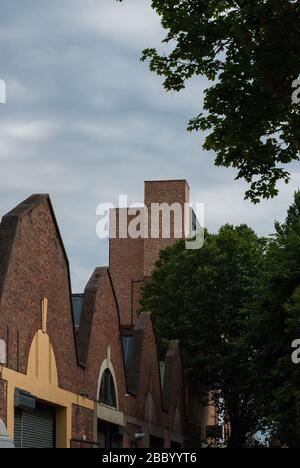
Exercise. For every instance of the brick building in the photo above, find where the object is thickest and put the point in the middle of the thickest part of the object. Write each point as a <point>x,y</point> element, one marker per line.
<point>83,370</point>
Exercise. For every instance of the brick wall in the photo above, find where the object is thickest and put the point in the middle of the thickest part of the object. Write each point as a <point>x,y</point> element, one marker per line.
<point>131,261</point>
<point>37,268</point>
<point>103,338</point>
<point>82,423</point>
<point>146,372</point>
<point>158,192</point>
<point>126,268</point>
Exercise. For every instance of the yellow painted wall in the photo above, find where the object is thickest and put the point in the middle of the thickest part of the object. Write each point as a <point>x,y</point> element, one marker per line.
<point>41,381</point>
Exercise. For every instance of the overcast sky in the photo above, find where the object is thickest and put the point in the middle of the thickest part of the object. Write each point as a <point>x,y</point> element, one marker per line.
<point>85,121</point>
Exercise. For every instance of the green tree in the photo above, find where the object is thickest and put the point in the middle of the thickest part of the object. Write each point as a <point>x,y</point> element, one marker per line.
<point>250,52</point>
<point>202,297</point>
<point>277,325</point>
<point>285,403</point>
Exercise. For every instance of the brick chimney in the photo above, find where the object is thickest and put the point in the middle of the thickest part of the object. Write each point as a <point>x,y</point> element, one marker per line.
<point>131,261</point>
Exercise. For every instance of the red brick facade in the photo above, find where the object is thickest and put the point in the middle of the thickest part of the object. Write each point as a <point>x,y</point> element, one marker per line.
<point>132,260</point>
<point>169,192</point>
<point>33,266</point>
<point>37,267</point>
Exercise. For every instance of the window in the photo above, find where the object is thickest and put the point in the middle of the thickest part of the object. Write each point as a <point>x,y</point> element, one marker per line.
<point>127,347</point>
<point>107,390</point>
<point>77,300</point>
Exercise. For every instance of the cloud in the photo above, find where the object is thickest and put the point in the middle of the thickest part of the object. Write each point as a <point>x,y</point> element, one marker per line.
<point>133,23</point>
<point>27,130</point>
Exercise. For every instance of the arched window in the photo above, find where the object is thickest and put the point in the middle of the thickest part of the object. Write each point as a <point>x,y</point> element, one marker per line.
<point>107,390</point>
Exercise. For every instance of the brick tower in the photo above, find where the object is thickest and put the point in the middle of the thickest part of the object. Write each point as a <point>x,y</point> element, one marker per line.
<point>131,261</point>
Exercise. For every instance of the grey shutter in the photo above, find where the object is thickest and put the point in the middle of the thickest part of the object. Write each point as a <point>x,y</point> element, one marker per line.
<point>18,428</point>
<point>37,427</point>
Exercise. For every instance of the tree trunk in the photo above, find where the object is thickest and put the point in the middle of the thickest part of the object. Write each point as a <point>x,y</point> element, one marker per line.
<point>238,435</point>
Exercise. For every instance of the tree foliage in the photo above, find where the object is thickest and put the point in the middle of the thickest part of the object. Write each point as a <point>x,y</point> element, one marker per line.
<point>250,51</point>
<point>235,305</point>
<point>277,325</point>
<point>202,297</point>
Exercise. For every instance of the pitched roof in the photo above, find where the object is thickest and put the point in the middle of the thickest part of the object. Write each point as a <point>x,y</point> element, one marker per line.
<point>8,230</point>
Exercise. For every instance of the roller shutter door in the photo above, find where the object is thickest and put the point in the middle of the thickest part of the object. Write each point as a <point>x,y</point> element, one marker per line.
<point>35,429</point>
<point>18,428</point>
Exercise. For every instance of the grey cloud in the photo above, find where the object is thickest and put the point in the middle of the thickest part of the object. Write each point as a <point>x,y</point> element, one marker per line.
<point>85,121</point>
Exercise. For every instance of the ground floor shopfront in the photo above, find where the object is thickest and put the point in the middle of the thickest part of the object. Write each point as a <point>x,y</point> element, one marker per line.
<point>39,413</point>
